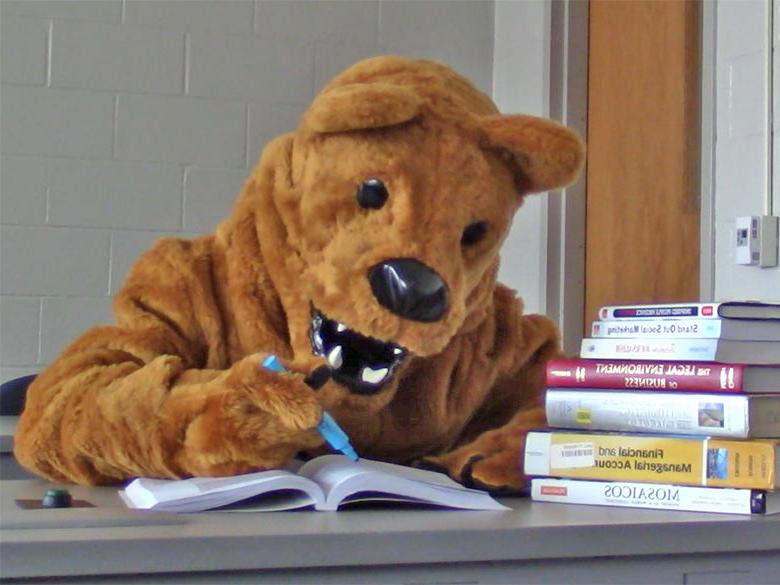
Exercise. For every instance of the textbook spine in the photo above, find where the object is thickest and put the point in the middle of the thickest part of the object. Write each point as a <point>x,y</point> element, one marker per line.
<point>662,496</point>
<point>685,460</point>
<point>645,375</point>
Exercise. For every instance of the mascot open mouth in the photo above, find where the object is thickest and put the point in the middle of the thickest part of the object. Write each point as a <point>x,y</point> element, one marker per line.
<point>363,364</point>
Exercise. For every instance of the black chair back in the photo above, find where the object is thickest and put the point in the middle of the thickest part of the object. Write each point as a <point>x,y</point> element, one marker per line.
<point>12,395</point>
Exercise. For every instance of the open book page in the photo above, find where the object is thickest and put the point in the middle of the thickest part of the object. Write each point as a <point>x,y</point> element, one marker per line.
<point>344,480</point>
<point>325,483</point>
<point>204,493</point>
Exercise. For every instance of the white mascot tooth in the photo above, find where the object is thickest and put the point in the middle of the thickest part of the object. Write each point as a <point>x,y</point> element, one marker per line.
<point>317,340</point>
<point>341,327</point>
<point>373,376</point>
<point>334,357</point>
<point>397,351</point>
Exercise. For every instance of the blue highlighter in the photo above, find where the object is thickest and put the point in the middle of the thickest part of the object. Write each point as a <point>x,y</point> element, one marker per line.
<point>328,427</point>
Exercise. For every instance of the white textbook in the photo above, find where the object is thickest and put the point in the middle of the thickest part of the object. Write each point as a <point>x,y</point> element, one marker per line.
<point>705,350</point>
<point>656,496</point>
<point>739,416</point>
<point>325,483</point>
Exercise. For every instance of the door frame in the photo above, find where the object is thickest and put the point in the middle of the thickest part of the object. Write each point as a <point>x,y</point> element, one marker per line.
<point>565,291</point>
<point>566,210</point>
<point>707,144</point>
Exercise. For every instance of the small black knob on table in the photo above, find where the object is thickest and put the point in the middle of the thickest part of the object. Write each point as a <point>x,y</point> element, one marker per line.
<point>57,498</point>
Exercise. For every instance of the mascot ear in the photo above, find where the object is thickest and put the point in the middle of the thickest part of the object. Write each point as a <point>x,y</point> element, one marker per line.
<point>547,155</point>
<point>361,106</point>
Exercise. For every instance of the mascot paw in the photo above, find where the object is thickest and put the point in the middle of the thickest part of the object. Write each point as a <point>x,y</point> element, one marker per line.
<point>254,419</point>
<point>492,462</point>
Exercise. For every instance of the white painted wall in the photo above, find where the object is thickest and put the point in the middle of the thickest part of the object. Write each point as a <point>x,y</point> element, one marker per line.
<point>742,142</point>
<point>521,80</point>
<point>125,120</point>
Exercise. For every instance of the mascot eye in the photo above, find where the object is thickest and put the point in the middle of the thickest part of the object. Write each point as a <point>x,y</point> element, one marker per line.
<point>474,233</point>
<point>372,194</point>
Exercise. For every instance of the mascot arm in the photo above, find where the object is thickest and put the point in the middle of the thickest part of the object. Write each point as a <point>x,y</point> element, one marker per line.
<point>491,452</point>
<point>148,397</point>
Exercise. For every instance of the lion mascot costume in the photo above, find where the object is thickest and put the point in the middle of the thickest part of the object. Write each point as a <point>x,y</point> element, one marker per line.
<point>366,240</point>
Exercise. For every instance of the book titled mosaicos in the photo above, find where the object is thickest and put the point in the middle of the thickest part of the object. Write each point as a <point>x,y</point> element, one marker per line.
<point>662,375</point>
<point>662,496</point>
<point>679,459</point>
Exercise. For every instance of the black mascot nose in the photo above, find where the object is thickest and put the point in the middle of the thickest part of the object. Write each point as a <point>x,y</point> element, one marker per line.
<point>410,289</point>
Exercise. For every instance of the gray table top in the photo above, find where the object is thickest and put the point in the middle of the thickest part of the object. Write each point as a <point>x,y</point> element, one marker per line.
<point>112,539</point>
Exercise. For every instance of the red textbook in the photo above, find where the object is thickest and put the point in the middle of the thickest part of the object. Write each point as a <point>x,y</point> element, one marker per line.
<point>662,375</point>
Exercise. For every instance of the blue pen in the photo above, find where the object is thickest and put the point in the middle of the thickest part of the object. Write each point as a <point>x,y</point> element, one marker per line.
<point>328,427</point>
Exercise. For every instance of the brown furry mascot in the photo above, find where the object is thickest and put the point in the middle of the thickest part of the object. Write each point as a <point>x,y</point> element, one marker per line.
<point>367,239</point>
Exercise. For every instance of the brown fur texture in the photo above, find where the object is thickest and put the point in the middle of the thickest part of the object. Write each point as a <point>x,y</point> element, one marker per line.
<point>174,389</point>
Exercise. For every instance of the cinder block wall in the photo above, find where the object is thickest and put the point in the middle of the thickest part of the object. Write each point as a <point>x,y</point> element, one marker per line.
<point>745,175</point>
<point>125,120</point>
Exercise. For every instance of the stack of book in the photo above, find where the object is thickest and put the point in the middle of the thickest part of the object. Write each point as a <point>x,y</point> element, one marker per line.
<point>669,407</point>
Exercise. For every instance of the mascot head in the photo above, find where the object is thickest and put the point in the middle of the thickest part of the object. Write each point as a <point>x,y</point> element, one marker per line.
<point>382,215</point>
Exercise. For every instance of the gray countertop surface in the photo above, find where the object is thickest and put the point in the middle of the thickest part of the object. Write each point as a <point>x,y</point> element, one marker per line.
<point>109,538</point>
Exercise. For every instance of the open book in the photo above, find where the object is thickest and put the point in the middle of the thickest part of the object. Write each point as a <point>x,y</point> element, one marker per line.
<point>325,483</point>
